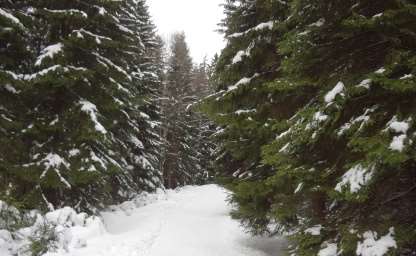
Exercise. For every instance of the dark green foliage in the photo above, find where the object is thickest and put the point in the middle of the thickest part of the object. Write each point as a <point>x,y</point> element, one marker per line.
<point>187,156</point>
<point>331,141</point>
<point>82,116</point>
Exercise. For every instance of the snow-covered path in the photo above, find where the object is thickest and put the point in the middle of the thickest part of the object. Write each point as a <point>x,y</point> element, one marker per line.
<point>193,221</point>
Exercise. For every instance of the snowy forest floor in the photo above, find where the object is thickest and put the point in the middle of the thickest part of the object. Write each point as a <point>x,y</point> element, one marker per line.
<point>192,221</point>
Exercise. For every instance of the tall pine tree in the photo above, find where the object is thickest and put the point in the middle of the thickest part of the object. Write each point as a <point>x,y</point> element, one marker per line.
<point>337,161</point>
<point>85,98</point>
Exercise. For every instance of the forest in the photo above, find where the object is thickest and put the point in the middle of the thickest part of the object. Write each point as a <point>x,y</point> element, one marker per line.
<point>300,132</point>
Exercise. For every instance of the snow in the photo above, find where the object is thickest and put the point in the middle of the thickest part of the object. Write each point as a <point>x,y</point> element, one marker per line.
<point>298,188</point>
<point>399,127</point>
<point>239,57</point>
<point>91,110</point>
<point>318,23</point>
<point>245,111</point>
<point>241,54</point>
<point>109,62</point>
<point>380,71</point>
<point>407,76</point>
<point>320,117</point>
<point>49,52</point>
<point>11,17</point>
<point>54,161</point>
<point>398,143</point>
<point>136,142</point>
<point>314,231</point>
<point>266,25</point>
<point>285,148</point>
<point>186,222</point>
<point>356,177</point>
<point>330,249</point>
<point>242,81</point>
<point>365,83</point>
<point>71,12</point>
<point>337,90</point>
<point>363,119</point>
<point>101,10</point>
<point>74,152</point>
<point>371,246</point>
<point>11,89</point>
<point>41,73</point>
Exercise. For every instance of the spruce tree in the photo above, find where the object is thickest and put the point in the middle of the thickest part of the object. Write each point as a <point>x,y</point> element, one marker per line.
<point>340,155</point>
<point>244,103</point>
<point>177,131</point>
<point>15,56</point>
<point>84,98</point>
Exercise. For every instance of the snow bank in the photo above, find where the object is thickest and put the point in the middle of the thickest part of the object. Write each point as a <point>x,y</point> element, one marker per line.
<point>59,230</point>
<point>64,229</point>
<point>371,246</point>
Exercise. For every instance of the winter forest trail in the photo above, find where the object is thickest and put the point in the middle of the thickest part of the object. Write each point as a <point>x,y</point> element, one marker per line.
<point>193,221</point>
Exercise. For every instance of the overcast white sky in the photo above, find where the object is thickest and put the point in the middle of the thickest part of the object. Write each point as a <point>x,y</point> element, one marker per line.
<point>197,18</point>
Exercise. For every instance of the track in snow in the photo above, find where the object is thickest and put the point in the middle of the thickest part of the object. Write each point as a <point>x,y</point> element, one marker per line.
<point>193,221</point>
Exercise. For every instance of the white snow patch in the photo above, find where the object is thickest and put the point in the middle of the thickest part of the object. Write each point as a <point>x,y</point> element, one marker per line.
<point>136,142</point>
<point>365,83</point>
<point>11,89</point>
<point>243,81</point>
<point>245,111</point>
<point>285,148</point>
<point>363,119</point>
<point>380,71</point>
<point>239,57</point>
<point>283,134</point>
<point>54,161</point>
<point>371,246</point>
<point>69,12</point>
<point>91,110</point>
<point>241,54</point>
<point>49,52</point>
<point>320,117</point>
<point>11,18</point>
<point>408,76</point>
<point>266,25</point>
<point>74,152</point>
<point>330,249</point>
<point>398,143</point>
<point>399,127</point>
<point>314,231</point>
<point>355,178</point>
<point>337,90</point>
<point>318,23</point>
<point>101,10</point>
<point>298,188</point>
